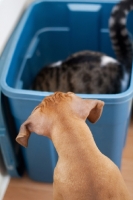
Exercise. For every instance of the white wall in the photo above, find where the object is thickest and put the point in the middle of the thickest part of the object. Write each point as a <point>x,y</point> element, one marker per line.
<point>10,12</point>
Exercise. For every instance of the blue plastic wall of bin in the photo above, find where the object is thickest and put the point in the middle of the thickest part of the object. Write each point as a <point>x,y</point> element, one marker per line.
<point>50,31</point>
<point>11,152</point>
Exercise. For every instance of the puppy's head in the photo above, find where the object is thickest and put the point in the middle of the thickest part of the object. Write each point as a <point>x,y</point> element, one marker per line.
<point>57,107</point>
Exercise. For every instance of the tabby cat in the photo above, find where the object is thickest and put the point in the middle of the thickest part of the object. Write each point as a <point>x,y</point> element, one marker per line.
<point>93,72</point>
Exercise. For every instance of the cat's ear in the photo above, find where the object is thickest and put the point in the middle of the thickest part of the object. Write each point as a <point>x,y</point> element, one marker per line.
<point>95,108</point>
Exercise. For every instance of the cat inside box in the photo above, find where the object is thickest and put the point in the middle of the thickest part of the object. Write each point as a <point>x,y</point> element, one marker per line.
<point>94,72</point>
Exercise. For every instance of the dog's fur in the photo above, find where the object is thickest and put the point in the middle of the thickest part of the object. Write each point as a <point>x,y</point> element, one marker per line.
<point>82,171</point>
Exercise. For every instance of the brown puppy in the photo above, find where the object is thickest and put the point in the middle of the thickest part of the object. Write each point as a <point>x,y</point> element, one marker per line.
<point>82,171</point>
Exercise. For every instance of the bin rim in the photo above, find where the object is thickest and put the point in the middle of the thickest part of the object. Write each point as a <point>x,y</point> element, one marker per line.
<point>24,94</point>
<point>76,1</point>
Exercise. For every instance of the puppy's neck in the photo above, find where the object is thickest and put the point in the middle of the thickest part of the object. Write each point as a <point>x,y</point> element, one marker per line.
<point>73,138</point>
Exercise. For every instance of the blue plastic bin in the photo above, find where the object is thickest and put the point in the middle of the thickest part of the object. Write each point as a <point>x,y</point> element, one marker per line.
<point>48,32</point>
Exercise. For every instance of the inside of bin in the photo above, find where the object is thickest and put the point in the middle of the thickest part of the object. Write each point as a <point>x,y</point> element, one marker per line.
<point>53,31</point>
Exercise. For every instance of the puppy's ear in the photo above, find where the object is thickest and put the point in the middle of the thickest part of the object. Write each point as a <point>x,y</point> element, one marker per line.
<point>95,108</point>
<point>24,134</point>
<point>38,122</point>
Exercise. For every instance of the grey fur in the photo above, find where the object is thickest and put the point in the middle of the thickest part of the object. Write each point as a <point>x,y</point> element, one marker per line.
<point>94,72</point>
